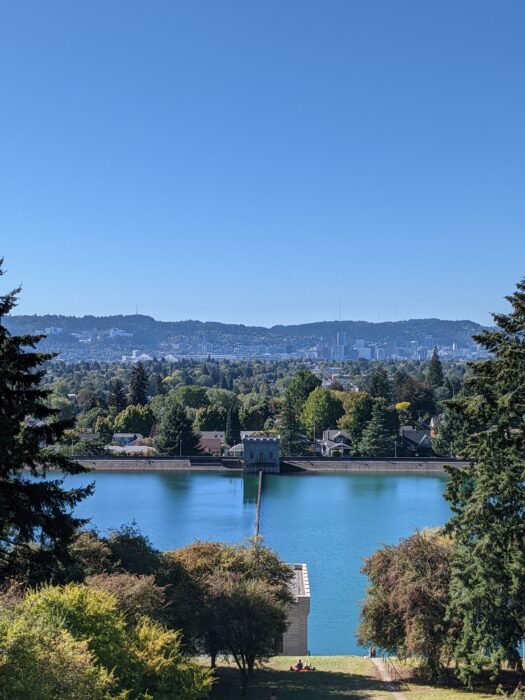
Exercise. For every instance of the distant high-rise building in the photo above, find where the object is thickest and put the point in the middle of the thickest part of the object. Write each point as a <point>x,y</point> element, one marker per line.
<point>364,353</point>
<point>342,338</point>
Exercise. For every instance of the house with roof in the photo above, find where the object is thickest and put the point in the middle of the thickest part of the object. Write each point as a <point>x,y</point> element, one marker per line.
<point>127,438</point>
<point>417,441</point>
<point>335,443</point>
<point>211,441</point>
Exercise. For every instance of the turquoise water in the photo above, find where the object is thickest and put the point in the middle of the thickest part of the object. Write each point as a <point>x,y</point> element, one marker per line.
<point>329,521</point>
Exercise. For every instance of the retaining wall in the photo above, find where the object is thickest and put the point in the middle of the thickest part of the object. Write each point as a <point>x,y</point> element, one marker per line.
<point>296,464</point>
<point>367,465</point>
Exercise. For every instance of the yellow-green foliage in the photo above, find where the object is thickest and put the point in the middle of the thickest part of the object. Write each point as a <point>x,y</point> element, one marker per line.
<point>141,661</point>
<point>41,661</point>
<point>161,668</point>
<point>88,614</point>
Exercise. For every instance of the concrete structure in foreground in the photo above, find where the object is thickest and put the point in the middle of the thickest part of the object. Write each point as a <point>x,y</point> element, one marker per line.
<point>295,639</point>
<point>261,454</point>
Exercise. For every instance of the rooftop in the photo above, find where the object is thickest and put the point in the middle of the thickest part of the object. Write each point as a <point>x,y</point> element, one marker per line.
<point>300,585</point>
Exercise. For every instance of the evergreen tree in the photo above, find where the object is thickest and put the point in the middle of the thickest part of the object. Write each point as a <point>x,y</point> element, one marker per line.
<point>232,434</point>
<point>176,435</point>
<point>157,386</point>
<point>487,594</point>
<point>379,384</point>
<point>292,443</point>
<point>138,387</point>
<point>358,411</point>
<point>436,378</point>
<point>453,432</point>
<point>117,397</point>
<point>378,437</point>
<point>31,510</point>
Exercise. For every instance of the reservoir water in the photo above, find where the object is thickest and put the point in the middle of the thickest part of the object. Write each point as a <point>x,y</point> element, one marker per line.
<point>329,521</point>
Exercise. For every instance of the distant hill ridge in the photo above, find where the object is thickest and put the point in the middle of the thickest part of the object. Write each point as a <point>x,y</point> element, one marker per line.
<point>443,332</point>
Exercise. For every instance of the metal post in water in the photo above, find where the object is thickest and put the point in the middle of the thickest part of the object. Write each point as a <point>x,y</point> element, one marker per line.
<point>258,511</point>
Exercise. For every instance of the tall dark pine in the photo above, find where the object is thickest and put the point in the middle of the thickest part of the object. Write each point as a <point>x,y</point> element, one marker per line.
<point>436,378</point>
<point>379,384</point>
<point>232,433</point>
<point>292,443</point>
<point>33,510</point>
<point>378,439</point>
<point>117,396</point>
<point>176,435</point>
<point>487,599</point>
<point>139,385</point>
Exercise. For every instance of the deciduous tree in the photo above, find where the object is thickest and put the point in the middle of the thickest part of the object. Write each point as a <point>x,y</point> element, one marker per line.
<point>321,411</point>
<point>404,611</point>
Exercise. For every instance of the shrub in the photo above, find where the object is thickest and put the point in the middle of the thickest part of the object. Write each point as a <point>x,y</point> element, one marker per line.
<point>40,661</point>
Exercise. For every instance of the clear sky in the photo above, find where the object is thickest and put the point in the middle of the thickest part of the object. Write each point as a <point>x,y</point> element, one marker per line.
<point>258,161</point>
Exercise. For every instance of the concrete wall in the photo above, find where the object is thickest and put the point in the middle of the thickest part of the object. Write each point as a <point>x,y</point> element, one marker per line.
<point>158,464</point>
<point>364,465</point>
<point>295,639</point>
<point>299,464</point>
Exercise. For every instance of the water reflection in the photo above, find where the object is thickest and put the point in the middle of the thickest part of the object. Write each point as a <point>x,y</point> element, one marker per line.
<point>250,488</point>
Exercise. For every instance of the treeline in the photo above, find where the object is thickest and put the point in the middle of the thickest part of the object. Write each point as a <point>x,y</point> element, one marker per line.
<point>169,407</point>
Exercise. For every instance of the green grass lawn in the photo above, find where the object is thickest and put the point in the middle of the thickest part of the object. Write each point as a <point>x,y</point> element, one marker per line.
<point>336,678</point>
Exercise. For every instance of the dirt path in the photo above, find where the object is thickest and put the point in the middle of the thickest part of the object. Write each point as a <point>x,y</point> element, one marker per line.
<point>383,673</point>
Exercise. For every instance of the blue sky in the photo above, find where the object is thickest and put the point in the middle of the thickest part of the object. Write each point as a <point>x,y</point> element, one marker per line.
<point>257,162</point>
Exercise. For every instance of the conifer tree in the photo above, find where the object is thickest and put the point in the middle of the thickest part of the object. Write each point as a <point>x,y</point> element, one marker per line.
<point>487,594</point>
<point>379,384</point>
<point>117,397</point>
<point>453,432</point>
<point>436,378</point>
<point>176,435</point>
<point>138,387</point>
<point>32,510</point>
<point>232,434</point>
<point>378,438</point>
<point>292,443</point>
